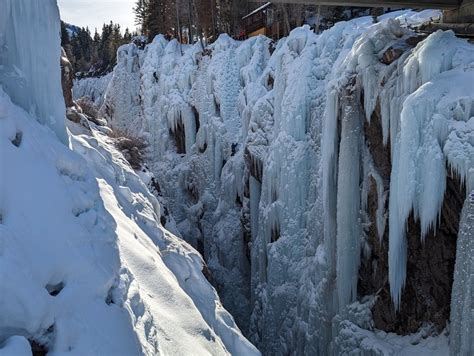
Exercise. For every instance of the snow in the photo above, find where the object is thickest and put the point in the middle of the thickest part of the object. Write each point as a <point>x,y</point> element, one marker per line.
<point>33,81</point>
<point>16,345</point>
<point>105,240</point>
<point>125,278</point>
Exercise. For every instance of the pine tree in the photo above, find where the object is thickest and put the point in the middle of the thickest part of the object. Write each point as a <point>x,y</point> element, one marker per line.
<point>65,40</point>
<point>141,10</point>
<point>127,36</point>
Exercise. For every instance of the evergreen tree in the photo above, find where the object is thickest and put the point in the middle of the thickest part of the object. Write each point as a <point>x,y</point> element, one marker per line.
<point>141,10</point>
<point>127,36</point>
<point>65,40</point>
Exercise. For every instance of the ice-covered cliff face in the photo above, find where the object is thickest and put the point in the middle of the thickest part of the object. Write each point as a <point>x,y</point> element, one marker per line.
<point>294,168</point>
<point>93,88</point>
<point>29,64</point>
<point>86,268</point>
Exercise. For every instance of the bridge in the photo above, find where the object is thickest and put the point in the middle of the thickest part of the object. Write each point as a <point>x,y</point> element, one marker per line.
<point>460,11</point>
<point>414,4</point>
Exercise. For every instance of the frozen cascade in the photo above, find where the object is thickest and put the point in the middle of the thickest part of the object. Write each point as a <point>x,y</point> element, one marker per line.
<point>94,88</point>
<point>420,112</point>
<point>348,202</point>
<point>33,82</point>
<point>260,154</point>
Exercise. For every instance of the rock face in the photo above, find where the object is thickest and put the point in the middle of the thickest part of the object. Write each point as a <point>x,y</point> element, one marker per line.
<point>84,108</point>
<point>67,79</point>
<point>427,294</point>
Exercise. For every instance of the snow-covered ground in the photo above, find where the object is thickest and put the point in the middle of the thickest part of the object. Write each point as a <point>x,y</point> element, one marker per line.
<point>85,266</point>
<point>259,152</point>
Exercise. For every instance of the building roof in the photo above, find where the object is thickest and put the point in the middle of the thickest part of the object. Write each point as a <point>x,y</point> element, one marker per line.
<point>264,6</point>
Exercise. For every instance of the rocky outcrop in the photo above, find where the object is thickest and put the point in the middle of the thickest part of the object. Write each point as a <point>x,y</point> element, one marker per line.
<point>67,79</point>
<point>83,109</point>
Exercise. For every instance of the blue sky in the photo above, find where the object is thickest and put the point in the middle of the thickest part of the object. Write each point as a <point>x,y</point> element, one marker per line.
<point>94,13</point>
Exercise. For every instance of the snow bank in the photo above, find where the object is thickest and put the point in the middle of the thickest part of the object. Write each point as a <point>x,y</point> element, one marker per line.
<point>29,64</point>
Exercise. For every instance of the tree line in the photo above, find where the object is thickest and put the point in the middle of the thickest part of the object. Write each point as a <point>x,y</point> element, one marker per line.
<point>190,20</point>
<point>194,20</point>
<point>93,54</point>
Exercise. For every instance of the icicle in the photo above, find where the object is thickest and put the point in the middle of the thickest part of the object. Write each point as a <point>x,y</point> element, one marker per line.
<point>348,201</point>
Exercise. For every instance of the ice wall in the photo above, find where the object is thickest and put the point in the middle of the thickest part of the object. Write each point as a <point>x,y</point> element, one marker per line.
<point>30,59</point>
<point>93,88</point>
<point>259,151</point>
<point>425,119</point>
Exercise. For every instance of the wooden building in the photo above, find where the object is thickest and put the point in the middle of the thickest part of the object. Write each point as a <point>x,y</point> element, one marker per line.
<point>266,20</point>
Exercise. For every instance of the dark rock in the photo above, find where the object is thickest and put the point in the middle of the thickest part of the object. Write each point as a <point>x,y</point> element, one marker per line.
<point>67,79</point>
<point>88,107</point>
<point>430,264</point>
<point>414,40</point>
<point>391,55</point>
<point>132,149</point>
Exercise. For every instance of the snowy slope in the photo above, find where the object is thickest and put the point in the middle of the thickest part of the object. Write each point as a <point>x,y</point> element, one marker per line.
<point>83,224</point>
<point>85,266</point>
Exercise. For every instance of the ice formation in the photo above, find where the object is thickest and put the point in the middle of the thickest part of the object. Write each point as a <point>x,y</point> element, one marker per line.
<point>260,155</point>
<point>94,88</point>
<point>33,81</point>
<point>85,265</point>
<point>426,120</point>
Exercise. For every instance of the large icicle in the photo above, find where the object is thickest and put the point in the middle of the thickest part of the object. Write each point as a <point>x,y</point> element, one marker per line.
<point>435,127</point>
<point>33,81</point>
<point>348,201</point>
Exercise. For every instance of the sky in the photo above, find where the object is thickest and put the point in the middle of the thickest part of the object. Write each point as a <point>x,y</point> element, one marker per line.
<point>94,13</point>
